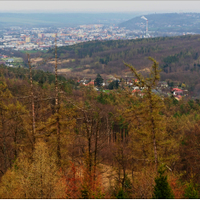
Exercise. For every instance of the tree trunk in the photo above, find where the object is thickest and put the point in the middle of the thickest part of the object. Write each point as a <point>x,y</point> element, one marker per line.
<point>153,130</point>
<point>96,149</point>
<point>4,144</point>
<point>57,107</point>
<point>32,103</point>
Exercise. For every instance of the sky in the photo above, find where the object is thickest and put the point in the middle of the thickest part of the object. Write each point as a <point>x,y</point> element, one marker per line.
<point>99,6</point>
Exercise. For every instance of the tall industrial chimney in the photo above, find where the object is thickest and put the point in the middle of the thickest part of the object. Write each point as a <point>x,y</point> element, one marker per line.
<point>146,27</point>
<point>143,17</point>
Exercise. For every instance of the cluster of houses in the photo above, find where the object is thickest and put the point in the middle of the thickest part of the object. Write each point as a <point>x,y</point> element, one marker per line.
<point>106,82</point>
<point>162,88</point>
<point>179,93</point>
<point>7,62</point>
<point>86,82</point>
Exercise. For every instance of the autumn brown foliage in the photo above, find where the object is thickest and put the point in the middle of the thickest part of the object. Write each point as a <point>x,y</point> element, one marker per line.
<point>109,143</point>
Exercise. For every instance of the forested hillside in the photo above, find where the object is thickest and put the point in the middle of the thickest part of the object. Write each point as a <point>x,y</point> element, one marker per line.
<point>60,139</point>
<point>178,58</point>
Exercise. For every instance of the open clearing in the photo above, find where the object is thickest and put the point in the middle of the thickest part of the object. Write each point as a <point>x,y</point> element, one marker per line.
<point>35,60</point>
<point>52,61</point>
<point>16,59</point>
<point>64,70</point>
<point>61,61</point>
<point>144,70</point>
<point>86,70</point>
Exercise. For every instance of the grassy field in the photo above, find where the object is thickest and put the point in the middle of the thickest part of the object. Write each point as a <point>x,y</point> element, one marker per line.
<point>106,91</point>
<point>16,59</point>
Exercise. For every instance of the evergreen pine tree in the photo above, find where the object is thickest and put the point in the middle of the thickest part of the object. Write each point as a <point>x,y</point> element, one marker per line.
<point>99,80</point>
<point>191,191</point>
<point>162,189</point>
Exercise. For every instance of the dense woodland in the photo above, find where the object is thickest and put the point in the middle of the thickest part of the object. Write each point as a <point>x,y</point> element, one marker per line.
<point>59,139</point>
<point>178,58</point>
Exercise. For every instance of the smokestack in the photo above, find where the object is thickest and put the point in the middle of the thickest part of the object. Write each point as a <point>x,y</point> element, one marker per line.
<point>146,27</point>
<point>143,17</point>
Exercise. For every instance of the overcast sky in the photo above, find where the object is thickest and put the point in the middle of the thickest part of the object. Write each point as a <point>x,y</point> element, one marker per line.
<point>99,6</point>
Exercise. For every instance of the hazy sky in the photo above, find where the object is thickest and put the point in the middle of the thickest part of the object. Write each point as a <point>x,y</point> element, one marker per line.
<point>99,6</point>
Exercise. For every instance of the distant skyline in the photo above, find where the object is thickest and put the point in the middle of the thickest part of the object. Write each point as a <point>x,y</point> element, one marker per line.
<point>99,6</point>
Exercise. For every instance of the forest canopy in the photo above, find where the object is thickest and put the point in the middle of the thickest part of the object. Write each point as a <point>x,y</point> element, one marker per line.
<point>61,139</point>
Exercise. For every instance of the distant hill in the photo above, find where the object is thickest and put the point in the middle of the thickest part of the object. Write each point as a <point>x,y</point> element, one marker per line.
<point>175,22</point>
<point>178,57</point>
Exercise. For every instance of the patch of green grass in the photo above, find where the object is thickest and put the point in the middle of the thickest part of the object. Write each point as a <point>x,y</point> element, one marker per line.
<point>16,59</point>
<point>79,66</point>
<point>16,63</point>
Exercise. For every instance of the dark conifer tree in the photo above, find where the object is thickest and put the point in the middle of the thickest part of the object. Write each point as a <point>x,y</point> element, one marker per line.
<point>99,80</point>
<point>162,189</point>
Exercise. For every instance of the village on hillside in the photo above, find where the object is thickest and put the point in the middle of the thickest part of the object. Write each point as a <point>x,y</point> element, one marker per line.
<point>163,89</point>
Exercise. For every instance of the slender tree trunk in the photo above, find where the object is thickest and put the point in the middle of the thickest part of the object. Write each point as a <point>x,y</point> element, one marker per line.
<point>124,177</point>
<point>57,106</point>
<point>89,155</point>
<point>119,167</point>
<point>113,135</point>
<point>153,130</point>
<point>122,135</point>
<point>41,181</point>
<point>109,133</point>
<point>15,142</point>
<point>4,145</point>
<point>96,149</point>
<point>4,148</point>
<point>32,103</point>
